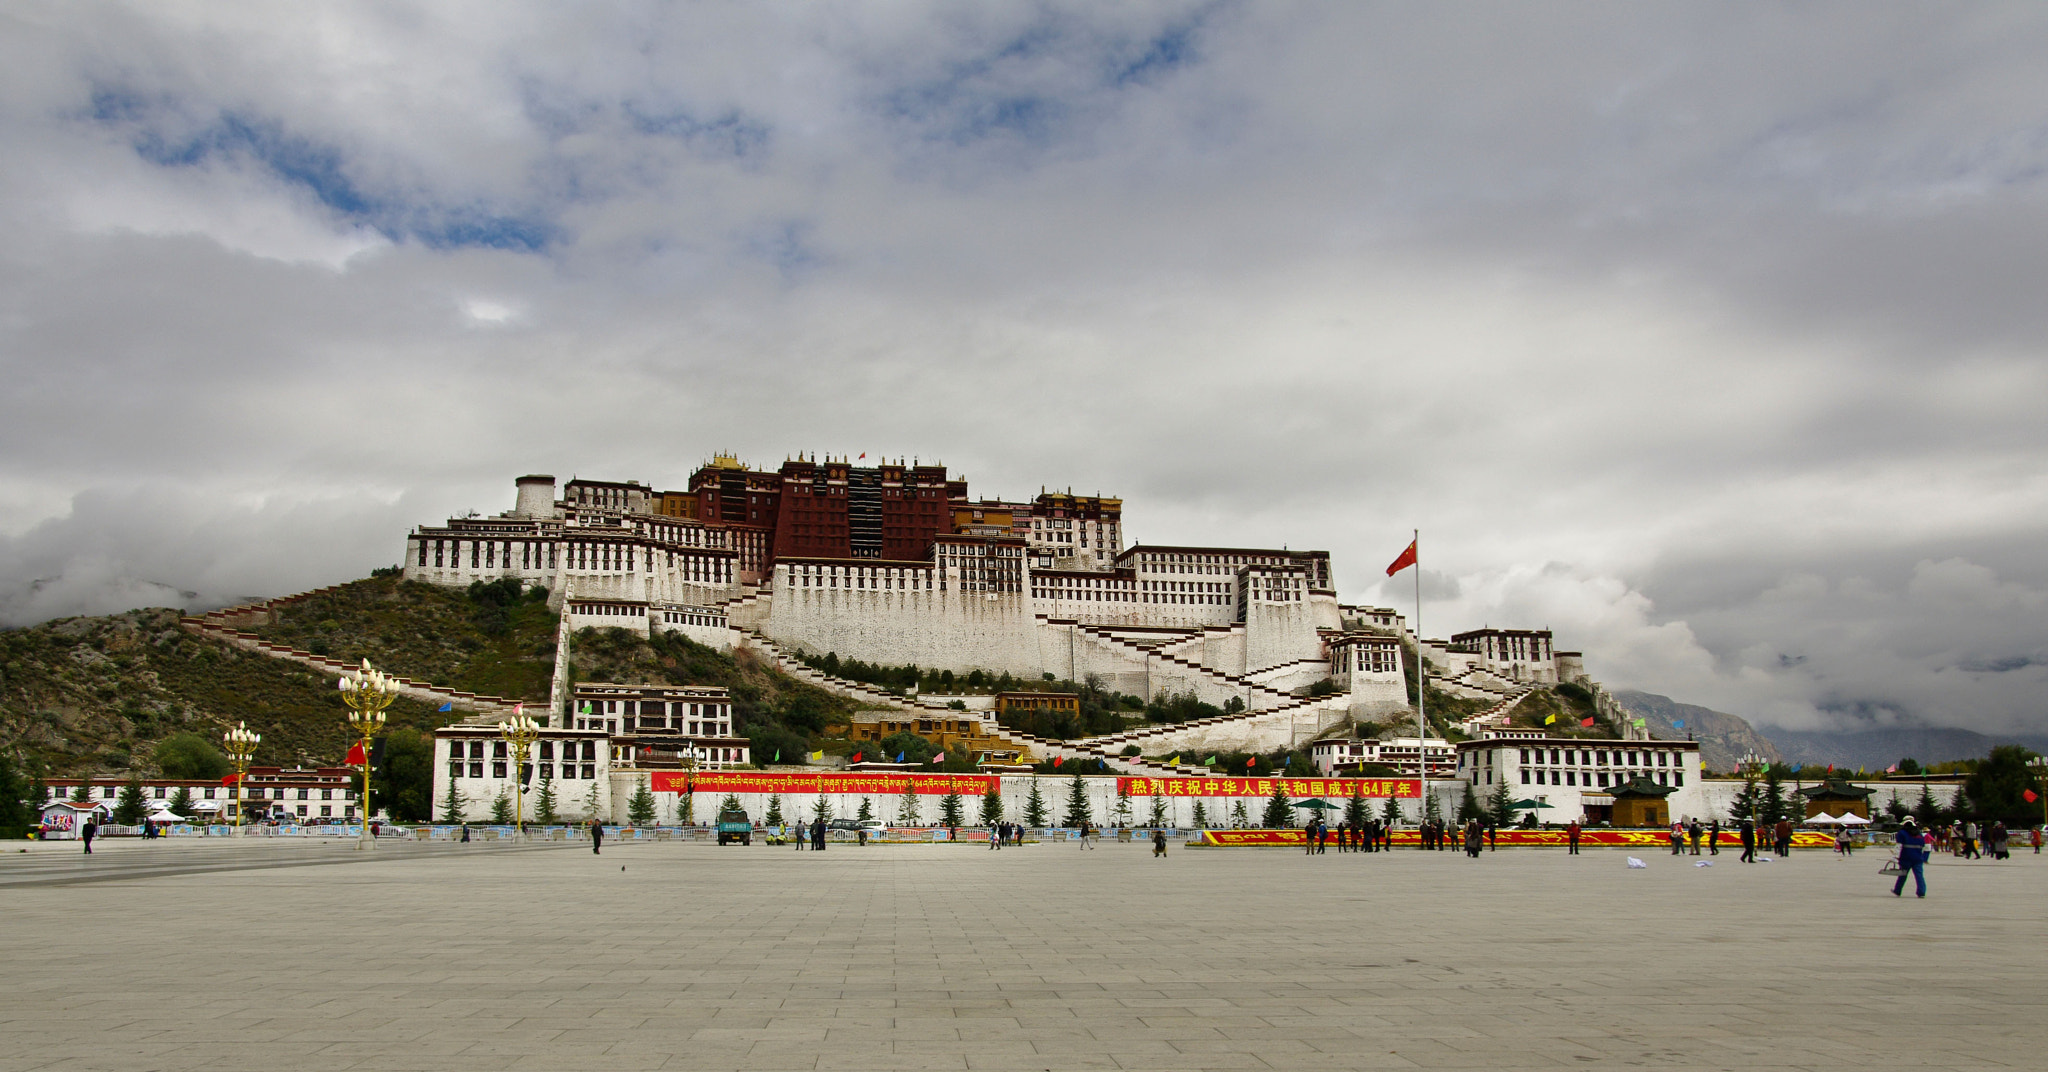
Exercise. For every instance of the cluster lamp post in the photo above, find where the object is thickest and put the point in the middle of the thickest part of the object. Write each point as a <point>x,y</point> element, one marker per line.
<point>521,732</point>
<point>367,692</point>
<point>1753,766</point>
<point>241,747</point>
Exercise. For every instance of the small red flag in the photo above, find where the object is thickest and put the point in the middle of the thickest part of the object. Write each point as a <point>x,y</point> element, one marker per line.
<point>1586,722</point>
<point>1406,560</point>
<point>1057,760</point>
<point>230,779</point>
<point>856,757</point>
<point>2031,797</point>
<point>355,755</point>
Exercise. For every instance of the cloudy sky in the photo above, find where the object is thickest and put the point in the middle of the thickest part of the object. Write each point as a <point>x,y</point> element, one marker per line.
<point>1710,338</point>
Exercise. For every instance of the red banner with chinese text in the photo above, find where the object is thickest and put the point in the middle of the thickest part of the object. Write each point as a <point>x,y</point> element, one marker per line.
<point>1592,839</point>
<point>1297,788</point>
<point>879,783</point>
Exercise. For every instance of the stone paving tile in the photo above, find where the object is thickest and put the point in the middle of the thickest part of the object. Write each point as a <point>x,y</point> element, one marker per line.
<point>931,957</point>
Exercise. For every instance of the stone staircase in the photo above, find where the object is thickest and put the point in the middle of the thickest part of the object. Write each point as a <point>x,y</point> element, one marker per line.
<point>1253,693</point>
<point>1498,714</point>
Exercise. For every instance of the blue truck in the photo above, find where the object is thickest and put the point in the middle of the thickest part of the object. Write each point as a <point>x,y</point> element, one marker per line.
<point>733,825</point>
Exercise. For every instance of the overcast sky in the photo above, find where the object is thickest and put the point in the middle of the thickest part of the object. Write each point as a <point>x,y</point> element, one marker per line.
<point>1710,337</point>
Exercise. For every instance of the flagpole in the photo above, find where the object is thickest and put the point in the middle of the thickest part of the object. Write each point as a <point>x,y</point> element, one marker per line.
<point>1421,688</point>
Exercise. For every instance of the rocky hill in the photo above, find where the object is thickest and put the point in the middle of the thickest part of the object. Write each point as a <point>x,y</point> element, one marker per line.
<point>1723,737</point>
<point>95,695</point>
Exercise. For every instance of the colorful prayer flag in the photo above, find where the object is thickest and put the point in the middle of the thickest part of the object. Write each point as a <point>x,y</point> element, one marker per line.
<point>1640,723</point>
<point>1210,762</point>
<point>1586,722</point>
<point>1175,761</point>
<point>818,756</point>
<point>1893,769</point>
<point>445,707</point>
<point>1548,719</point>
<point>941,757</point>
<point>778,756</point>
<point>1406,560</point>
<point>899,757</point>
<point>1678,723</point>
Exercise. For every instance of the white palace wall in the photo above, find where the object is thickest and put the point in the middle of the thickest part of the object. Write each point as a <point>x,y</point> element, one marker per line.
<point>901,615</point>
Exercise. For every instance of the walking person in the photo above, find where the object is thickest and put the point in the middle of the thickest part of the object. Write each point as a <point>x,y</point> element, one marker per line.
<point>1492,837</point>
<point>2037,841</point>
<point>1912,858</point>
<point>1714,838</point>
<point>87,831</point>
<point>1970,842</point>
<point>596,835</point>
<point>1571,837</point>
<point>1322,836</point>
<point>1308,837</point>
<point>1748,842</point>
<point>1677,838</point>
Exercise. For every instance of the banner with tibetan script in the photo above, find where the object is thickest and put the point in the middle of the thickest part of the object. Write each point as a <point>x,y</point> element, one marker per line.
<point>1297,788</point>
<point>874,784</point>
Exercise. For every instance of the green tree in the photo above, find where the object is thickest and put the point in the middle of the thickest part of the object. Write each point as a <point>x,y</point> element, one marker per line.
<point>640,806</point>
<point>822,809</point>
<point>1895,809</point>
<point>1998,787</point>
<point>403,784</point>
<point>1927,810</point>
<point>189,755</point>
<point>1390,813</point>
<point>774,816</point>
<point>1240,816</point>
<point>1747,803</point>
<point>730,803</point>
<point>1078,812</point>
<point>501,808</point>
<point>1034,806</point>
<point>14,816</point>
<point>914,749</point>
<point>867,810</point>
<point>1279,810</point>
<point>1432,810</point>
<point>181,802</point>
<point>1200,818</point>
<point>589,803</point>
<point>1356,812</point>
<point>906,805</point>
<point>1123,804</point>
<point>1909,765</point>
<point>130,808</point>
<point>1500,806</point>
<point>452,803</point>
<point>1773,806</point>
<point>951,812</point>
<point>1468,805</point>
<point>991,806</point>
<point>543,803</point>
<point>82,792</point>
<point>1156,818</point>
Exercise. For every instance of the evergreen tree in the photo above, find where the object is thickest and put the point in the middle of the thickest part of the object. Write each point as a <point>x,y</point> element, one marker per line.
<point>907,812</point>
<point>1034,806</point>
<point>640,806</point>
<point>1201,818</point>
<point>501,808</point>
<point>1240,817</point>
<point>774,816</point>
<point>129,808</point>
<point>181,802</point>
<point>1927,811</point>
<point>1123,805</point>
<point>991,807</point>
<point>1773,806</point>
<point>951,811</point>
<point>1895,809</point>
<point>822,809</point>
<point>451,805</point>
<point>1356,812</point>
<point>39,790</point>
<point>1077,805</point>
<point>1390,813</point>
<point>543,803</point>
<point>1432,811</point>
<point>1500,806</point>
<point>730,803</point>
<point>16,813</point>
<point>867,810</point>
<point>1157,818</point>
<point>590,803</point>
<point>1279,810</point>
<point>82,792</point>
<point>1746,803</point>
<point>1468,805</point>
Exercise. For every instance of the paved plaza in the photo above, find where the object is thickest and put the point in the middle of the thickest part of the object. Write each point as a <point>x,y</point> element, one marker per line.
<point>311,956</point>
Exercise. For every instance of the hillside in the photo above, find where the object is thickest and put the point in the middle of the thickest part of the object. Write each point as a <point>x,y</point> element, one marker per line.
<point>1877,749</point>
<point>1723,738</point>
<point>94,695</point>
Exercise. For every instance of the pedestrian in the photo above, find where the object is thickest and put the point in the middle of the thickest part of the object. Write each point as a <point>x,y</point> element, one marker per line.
<point>862,836</point>
<point>995,837</point>
<point>1714,838</point>
<point>87,832</point>
<point>1158,841</point>
<point>1748,841</point>
<point>818,834</point>
<point>1677,838</point>
<point>1322,836</point>
<point>2037,841</point>
<point>1784,832</point>
<point>1492,837</point>
<point>1474,838</point>
<point>596,835</point>
<point>1970,842</point>
<point>1571,837</point>
<point>1912,858</point>
<point>465,835</point>
<point>1696,832</point>
<point>1308,837</point>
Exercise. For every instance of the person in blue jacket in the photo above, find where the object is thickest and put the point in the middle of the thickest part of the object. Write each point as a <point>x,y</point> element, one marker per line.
<point>1912,858</point>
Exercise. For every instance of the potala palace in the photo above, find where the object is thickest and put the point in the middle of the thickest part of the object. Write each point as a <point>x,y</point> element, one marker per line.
<point>894,564</point>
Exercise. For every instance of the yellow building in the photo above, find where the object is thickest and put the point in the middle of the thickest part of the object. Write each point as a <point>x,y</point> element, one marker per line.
<point>959,732</point>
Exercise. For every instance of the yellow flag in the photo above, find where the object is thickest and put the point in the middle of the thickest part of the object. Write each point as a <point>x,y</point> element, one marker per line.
<point>1548,719</point>
<point>1174,762</point>
<point>818,756</point>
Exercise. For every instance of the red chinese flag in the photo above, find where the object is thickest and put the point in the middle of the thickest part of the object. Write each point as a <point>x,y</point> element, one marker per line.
<point>2030,795</point>
<point>1406,560</point>
<point>355,755</point>
<point>856,758</point>
<point>230,779</point>
<point>1586,722</point>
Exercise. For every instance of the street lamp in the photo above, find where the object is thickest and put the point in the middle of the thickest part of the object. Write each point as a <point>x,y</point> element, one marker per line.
<point>1753,766</point>
<point>521,732</point>
<point>367,692</point>
<point>241,745</point>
